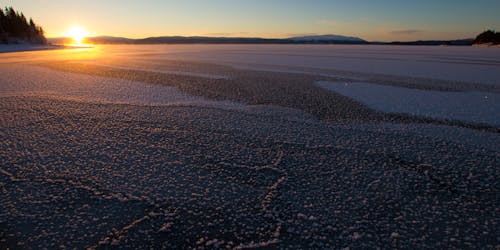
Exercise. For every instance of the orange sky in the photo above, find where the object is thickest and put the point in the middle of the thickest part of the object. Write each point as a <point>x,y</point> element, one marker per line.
<point>382,20</point>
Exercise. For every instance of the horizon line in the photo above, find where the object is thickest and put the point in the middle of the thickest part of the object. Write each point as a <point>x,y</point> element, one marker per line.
<point>257,37</point>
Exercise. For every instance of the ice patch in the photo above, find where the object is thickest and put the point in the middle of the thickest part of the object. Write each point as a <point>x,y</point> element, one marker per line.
<point>458,135</point>
<point>41,82</point>
<point>172,72</point>
<point>475,107</point>
<point>37,81</point>
<point>271,68</point>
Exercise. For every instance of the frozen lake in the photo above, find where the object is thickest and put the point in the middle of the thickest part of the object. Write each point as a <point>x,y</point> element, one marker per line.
<point>464,64</point>
<point>236,147</point>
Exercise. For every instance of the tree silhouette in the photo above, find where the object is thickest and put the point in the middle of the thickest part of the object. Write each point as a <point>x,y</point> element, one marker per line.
<point>489,36</point>
<point>14,28</point>
<point>3,35</point>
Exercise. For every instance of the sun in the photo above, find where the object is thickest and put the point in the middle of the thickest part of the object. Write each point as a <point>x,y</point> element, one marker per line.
<point>78,34</point>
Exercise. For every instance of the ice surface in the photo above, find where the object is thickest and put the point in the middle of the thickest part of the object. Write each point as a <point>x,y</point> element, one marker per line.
<point>42,82</point>
<point>38,81</point>
<point>173,72</point>
<point>475,107</point>
<point>177,170</point>
<point>464,64</point>
<point>459,135</point>
<point>24,47</point>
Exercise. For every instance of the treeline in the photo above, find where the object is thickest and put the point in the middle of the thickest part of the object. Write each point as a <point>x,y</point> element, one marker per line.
<point>488,37</point>
<point>15,28</point>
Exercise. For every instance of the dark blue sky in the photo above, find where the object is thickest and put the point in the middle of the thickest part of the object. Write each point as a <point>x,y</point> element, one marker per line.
<point>373,20</point>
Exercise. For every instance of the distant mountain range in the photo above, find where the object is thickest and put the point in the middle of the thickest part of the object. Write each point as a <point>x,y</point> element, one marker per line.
<point>327,38</point>
<point>319,39</point>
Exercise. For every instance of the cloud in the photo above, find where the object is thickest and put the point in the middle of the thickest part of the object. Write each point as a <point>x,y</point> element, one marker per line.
<point>406,32</point>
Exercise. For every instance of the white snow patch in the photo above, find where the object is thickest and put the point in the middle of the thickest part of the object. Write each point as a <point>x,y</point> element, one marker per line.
<point>475,107</point>
<point>37,81</point>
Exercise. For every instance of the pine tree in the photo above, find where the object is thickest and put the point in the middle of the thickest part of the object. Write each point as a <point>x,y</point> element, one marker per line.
<point>2,16</point>
<point>489,36</point>
<point>14,27</point>
<point>3,35</point>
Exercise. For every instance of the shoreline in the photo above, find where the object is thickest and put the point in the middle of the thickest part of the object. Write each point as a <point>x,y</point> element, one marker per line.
<point>486,45</point>
<point>9,48</point>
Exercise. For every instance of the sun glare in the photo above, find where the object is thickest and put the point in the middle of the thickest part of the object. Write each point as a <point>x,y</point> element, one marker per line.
<point>77,34</point>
